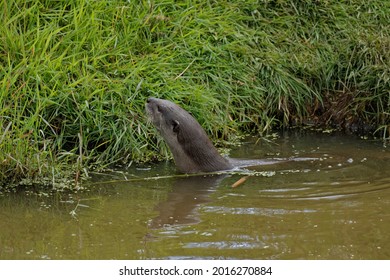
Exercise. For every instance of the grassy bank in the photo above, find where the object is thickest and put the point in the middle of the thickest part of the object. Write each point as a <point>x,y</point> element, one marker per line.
<point>75,75</point>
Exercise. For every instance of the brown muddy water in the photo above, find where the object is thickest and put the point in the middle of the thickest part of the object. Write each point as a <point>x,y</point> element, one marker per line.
<point>331,202</point>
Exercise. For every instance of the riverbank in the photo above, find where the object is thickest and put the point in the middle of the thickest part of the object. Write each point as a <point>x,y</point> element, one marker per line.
<point>75,76</point>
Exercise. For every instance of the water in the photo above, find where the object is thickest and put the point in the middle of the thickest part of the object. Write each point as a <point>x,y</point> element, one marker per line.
<point>332,204</point>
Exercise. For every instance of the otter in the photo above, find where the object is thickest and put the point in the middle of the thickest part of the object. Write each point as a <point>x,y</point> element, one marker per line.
<point>191,148</point>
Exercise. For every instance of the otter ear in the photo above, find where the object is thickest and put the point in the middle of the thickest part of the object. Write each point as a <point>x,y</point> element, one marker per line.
<point>175,126</point>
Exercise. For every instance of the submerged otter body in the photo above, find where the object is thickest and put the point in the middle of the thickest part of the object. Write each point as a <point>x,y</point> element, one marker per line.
<point>191,148</point>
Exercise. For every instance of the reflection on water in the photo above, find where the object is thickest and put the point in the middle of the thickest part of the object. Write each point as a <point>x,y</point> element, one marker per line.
<point>332,204</point>
<point>184,199</point>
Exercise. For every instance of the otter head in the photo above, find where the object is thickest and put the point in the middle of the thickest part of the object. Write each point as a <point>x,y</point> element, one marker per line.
<point>191,148</point>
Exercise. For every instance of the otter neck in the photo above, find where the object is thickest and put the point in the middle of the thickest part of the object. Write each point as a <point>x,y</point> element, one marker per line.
<point>202,162</point>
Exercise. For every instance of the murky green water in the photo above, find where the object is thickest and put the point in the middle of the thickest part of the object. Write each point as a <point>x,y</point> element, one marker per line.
<point>334,207</point>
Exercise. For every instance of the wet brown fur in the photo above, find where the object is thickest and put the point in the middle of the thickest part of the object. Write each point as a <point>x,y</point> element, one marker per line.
<point>191,148</point>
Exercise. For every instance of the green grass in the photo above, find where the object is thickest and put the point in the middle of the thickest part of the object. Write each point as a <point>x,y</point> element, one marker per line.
<point>75,74</point>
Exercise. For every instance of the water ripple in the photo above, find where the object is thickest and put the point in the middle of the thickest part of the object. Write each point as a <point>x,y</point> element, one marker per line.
<point>226,245</point>
<point>253,211</point>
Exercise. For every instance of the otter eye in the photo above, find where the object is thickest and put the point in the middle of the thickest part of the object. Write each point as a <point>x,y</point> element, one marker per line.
<point>175,126</point>
<point>159,108</point>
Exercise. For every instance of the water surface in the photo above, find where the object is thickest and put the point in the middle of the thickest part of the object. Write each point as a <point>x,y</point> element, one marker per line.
<point>331,202</point>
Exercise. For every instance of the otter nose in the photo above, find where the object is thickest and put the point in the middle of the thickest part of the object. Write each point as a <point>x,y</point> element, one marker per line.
<point>150,99</point>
